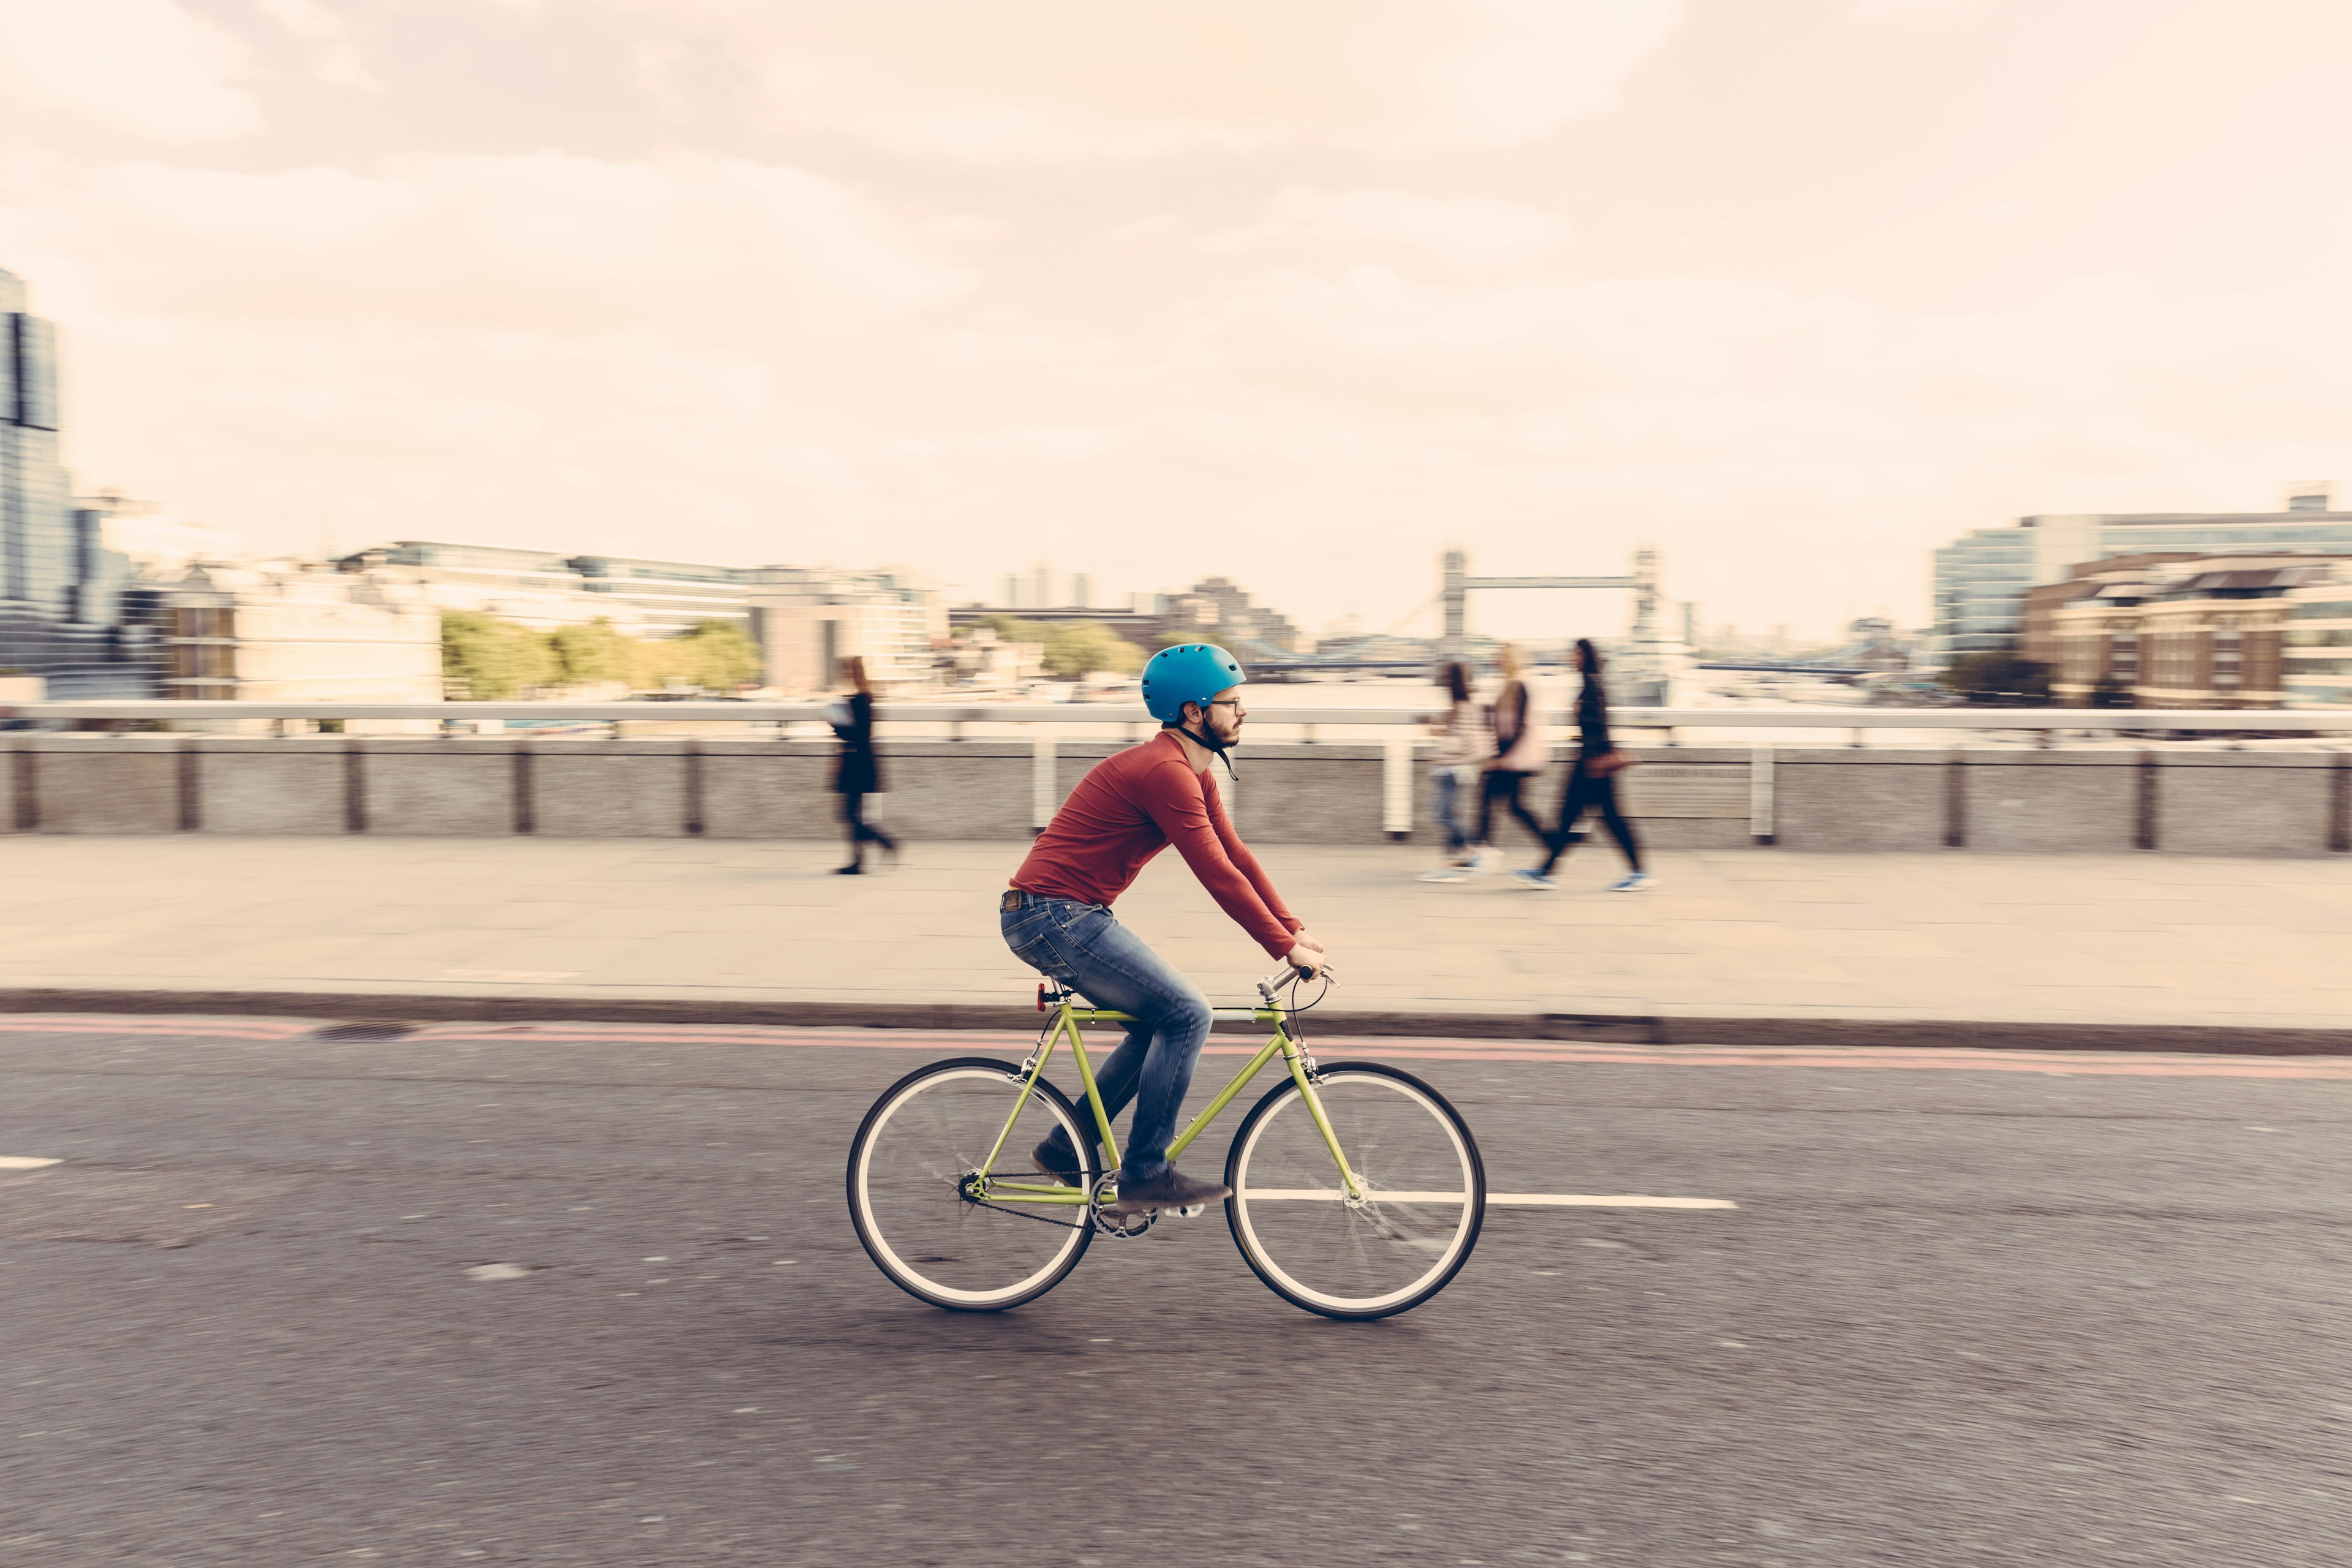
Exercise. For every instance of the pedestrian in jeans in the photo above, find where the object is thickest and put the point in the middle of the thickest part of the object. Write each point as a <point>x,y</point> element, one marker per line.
<point>857,773</point>
<point>1591,784</point>
<point>1519,753</point>
<point>1456,763</point>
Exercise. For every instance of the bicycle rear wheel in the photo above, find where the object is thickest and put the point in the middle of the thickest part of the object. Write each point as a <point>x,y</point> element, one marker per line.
<point>1416,1165</point>
<point>930,1219</point>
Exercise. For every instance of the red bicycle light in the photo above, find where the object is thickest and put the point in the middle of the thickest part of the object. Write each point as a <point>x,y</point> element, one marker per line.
<point>1041,996</point>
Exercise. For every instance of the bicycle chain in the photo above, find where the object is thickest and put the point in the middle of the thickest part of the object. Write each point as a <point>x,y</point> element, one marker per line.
<point>1022,1213</point>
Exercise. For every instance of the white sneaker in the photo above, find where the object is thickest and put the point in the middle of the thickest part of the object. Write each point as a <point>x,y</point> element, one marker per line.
<point>1631,882</point>
<point>1445,874</point>
<point>1481,859</point>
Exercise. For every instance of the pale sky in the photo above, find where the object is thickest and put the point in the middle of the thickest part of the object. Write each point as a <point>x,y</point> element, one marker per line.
<point>1295,291</point>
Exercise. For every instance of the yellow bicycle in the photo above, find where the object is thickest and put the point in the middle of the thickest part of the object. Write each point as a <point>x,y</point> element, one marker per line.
<point>1357,1191</point>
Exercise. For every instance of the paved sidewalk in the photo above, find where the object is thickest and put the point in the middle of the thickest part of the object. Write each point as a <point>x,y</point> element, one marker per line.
<point>765,930</point>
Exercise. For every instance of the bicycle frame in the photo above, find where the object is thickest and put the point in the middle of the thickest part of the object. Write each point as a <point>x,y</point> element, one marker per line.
<point>1068,1019</point>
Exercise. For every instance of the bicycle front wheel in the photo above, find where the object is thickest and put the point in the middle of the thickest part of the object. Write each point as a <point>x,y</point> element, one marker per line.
<point>1421,1192</point>
<point>945,1230</point>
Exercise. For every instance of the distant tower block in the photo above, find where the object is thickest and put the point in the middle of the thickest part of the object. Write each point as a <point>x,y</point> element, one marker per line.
<point>1045,587</point>
<point>1082,592</point>
<point>1013,590</point>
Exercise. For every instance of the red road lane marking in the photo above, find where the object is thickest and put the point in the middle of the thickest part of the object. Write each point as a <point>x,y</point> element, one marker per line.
<point>211,1029</point>
<point>2085,1064</point>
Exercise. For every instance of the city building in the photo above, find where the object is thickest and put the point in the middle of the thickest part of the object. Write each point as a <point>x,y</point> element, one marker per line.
<point>282,632</point>
<point>2038,620</point>
<point>668,597</point>
<point>152,539</point>
<point>541,588</point>
<point>65,613</point>
<point>2316,658</point>
<point>1981,578</point>
<point>807,619</point>
<point>981,658</point>
<point>35,517</point>
<point>2166,632</point>
<point>535,589</point>
<point>1215,610</point>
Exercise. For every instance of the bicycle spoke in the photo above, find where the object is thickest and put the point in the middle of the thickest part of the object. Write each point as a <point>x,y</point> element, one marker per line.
<point>922,1212</point>
<point>1417,1211</point>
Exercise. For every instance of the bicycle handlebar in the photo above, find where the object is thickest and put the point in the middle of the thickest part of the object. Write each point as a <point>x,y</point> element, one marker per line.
<point>1288,975</point>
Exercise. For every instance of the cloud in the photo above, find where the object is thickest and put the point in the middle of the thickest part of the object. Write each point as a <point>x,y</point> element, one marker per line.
<point>1078,81</point>
<point>538,242</point>
<point>145,66</point>
<point>337,59</point>
<point>1452,229</point>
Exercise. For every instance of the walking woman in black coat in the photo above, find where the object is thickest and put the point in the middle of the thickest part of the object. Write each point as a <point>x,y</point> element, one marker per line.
<point>858,772</point>
<point>1591,783</point>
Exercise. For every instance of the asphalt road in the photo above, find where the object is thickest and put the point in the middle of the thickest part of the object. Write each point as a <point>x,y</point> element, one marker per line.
<point>1959,1316</point>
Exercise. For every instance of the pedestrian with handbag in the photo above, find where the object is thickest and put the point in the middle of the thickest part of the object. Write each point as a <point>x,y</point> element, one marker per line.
<point>1456,766</point>
<point>857,773</point>
<point>1591,784</point>
<point>1519,754</point>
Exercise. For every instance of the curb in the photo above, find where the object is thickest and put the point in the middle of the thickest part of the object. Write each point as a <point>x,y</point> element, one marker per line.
<point>1591,1028</point>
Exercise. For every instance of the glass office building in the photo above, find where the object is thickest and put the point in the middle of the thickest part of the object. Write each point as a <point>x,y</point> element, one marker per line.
<point>671,597</point>
<point>1981,582</point>
<point>37,551</point>
<point>1981,577</point>
<point>66,612</point>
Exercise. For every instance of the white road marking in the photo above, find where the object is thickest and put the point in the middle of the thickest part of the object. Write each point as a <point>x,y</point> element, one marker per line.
<point>23,1163</point>
<point>495,1271</point>
<point>1597,1201</point>
<point>1509,1200</point>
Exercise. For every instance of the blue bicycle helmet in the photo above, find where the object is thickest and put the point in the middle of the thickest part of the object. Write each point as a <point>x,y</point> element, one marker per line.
<point>1188,672</point>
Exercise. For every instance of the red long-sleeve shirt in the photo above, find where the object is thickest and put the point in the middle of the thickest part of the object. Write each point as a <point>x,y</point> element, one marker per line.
<point>1131,806</point>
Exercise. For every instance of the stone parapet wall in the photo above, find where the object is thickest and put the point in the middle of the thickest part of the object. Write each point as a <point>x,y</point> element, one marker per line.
<point>1811,798</point>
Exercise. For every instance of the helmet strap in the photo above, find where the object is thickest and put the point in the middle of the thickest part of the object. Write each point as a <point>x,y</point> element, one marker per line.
<point>1215,744</point>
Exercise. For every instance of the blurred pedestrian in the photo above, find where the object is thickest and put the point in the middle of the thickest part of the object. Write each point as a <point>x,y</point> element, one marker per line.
<point>1517,752</point>
<point>1457,759</point>
<point>857,773</point>
<point>1591,784</point>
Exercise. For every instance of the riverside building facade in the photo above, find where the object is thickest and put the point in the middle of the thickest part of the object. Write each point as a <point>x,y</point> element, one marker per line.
<point>2206,632</point>
<point>805,619</point>
<point>1981,578</point>
<point>284,632</point>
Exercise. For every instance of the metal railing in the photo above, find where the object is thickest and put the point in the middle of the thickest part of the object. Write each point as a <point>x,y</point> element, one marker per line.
<point>1040,724</point>
<point>2246,720</point>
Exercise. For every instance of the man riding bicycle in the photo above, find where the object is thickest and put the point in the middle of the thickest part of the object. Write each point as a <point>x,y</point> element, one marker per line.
<point>1058,919</point>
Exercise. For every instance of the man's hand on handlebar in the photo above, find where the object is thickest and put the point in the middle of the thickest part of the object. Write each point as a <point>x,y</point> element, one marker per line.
<point>1301,938</point>
<point>1308,960</point>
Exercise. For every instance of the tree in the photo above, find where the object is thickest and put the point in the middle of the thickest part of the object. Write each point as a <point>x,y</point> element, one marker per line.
<point>1081,647</point>
<point>595,652</point>
<point>493,660</point>
<point>1012,628</point>
<point>716,655</point>
<point>1998,679</point>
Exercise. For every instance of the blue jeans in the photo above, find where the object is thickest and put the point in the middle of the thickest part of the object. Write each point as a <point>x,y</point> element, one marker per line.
<point>1447,779</point>
<point>1085,948</point>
